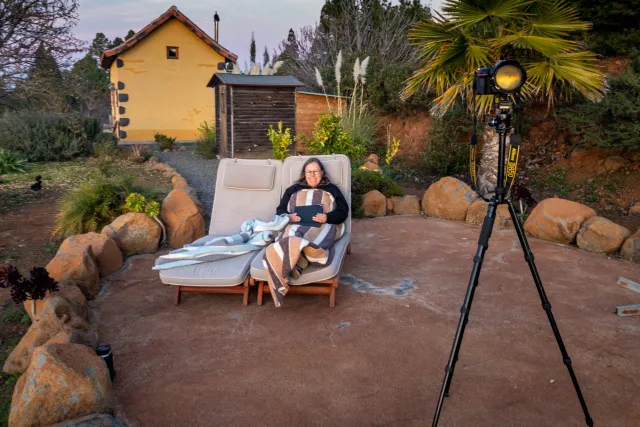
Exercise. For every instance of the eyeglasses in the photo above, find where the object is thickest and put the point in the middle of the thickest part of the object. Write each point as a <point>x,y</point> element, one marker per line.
<point>316,172</point>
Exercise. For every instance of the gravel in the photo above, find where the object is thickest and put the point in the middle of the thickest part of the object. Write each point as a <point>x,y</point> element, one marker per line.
<point>199,172</point>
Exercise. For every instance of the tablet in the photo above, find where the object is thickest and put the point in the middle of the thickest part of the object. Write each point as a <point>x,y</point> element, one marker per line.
<point>306,213</point>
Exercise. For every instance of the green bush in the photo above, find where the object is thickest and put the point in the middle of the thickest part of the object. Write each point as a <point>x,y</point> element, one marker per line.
<point>447,150</point>
<point>10,162</point>
<point>361,127</point>
<point>92,128</point>
<point>206,143</point>
<point>94,205</point>
<point>43,137</point>
<point>363,181</point>
<point>613,123</point>
<point>105,146</point>
<point>165,142</point>
<point>280,141</point>
<point>136,202</point>
<point>329,137</point>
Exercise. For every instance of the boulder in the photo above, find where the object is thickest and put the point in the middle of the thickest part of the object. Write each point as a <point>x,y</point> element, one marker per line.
<point>630,249</point>
<point>449,198</point>
<point>70,292</point>
<point>478,210</point>
<point>77,265</point>
<point>635,209</point>
<point>178,181</point>
<point>134,233</point>
<point>370,166</point>
<point>153,160</point>
<point>105,250</point>
<point>181,218</point>
<point>56,323</point>
<point>389,205</point>
<point>64,382</point>
<point>373,158</point>
<point>557,220</point>
<point>161,167</point>
<point>600,235</point>
<point>94,420</point>
<point>614,163</point>
<point>407,205</point>
<point>374,204</point>
<point>168,173</point>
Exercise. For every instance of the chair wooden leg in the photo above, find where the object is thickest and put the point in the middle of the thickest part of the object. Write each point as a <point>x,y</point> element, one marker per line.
<point>176,296</point>
<point>260,292</point>
<point>332,297</point>
<point>245,298</point>
<point>349,249</point>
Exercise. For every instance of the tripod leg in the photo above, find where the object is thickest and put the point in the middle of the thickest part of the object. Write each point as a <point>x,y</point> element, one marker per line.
<point>483,244</point>
<point>546,305</point>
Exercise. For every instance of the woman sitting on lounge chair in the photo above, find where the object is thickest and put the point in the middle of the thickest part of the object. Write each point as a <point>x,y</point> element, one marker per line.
<point>300,245</point>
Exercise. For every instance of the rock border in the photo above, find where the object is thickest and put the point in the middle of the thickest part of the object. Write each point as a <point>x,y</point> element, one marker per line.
<point>61,319</point>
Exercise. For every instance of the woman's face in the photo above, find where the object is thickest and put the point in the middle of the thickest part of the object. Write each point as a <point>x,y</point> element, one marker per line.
<point>313,174</point>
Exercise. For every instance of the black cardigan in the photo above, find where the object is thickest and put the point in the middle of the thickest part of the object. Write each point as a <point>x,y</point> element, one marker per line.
<point>337,216</point>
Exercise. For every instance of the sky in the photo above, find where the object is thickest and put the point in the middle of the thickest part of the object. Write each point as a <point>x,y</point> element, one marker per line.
<point>270,20</point>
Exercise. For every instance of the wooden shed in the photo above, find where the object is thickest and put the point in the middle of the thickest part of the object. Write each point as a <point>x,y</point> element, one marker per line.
<point>246,106</point>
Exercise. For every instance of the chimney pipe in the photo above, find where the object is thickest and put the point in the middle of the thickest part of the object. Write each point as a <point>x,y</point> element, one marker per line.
<point>216,20</point>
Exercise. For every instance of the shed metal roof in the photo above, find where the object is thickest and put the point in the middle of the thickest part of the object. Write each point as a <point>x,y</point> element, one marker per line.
<point>244,80</point>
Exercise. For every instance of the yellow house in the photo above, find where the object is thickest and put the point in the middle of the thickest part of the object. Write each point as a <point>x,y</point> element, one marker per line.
<point>159,79</point>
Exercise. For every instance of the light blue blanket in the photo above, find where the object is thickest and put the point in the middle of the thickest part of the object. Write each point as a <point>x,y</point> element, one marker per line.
<point>254,235</point>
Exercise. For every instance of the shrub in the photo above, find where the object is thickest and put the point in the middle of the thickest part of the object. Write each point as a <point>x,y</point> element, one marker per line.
<point>447,150</point>
<point>43,137</point>
<point>139,153</point>
<point>94,205</point>
<point>10,162</point>
<point>361,127</point>
<point>136,202</point>
<point>613,123</point>
<point>105,146</point>
<point>392,150</point>
<point>280,141</point>
<point>329,137</point>
<point>363,181</point>
<point>165,142</point>
<point>206,143</point>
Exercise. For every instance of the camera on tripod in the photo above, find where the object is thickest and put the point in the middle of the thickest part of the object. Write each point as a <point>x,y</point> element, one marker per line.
<point>503,79</point>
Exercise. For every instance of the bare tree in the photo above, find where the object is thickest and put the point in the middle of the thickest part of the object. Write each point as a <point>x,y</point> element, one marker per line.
<point>27,24</point>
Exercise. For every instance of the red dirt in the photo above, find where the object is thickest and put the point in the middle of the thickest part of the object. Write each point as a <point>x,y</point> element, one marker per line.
<point>378,357</point>
<point>412,132</point>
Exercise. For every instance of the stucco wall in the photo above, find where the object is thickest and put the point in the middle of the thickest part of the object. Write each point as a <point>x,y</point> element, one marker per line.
<point>167,95</point>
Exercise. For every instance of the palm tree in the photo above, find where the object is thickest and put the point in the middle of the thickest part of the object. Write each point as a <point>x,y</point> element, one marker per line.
<point>477,33</point>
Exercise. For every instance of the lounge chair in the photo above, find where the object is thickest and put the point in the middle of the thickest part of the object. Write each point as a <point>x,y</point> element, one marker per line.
<point>245,189</point>
<point>317,280</point>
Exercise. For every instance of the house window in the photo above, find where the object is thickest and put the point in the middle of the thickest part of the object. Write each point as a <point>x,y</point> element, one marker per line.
<point>172,52</point>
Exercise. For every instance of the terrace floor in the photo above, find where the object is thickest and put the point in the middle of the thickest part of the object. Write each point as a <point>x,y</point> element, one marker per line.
<point>378,357</point>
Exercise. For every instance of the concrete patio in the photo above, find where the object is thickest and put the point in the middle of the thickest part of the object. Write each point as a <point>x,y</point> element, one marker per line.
<point>378,357</point>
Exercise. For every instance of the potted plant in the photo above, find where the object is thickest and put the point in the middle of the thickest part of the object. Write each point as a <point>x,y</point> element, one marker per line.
<point>23,289</point>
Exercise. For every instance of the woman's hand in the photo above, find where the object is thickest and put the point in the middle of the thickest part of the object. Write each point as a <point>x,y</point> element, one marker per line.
<point>294,217</point>
<point>321,218</point>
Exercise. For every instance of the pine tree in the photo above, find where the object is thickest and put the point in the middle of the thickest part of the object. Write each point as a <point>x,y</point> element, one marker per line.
<point>130,34</point>
<point>252,48</point>
<point>45,64</point>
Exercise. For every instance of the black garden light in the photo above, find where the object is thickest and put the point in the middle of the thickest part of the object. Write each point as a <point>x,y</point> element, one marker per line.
<point>504,78</point>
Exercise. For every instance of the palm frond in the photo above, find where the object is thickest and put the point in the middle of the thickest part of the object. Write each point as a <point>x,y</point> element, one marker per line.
<point>547,46</point>
<point>488,13</point>
<point>555,19</point>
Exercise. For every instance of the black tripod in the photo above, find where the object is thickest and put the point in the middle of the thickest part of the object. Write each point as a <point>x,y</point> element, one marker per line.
<point>502,123</point>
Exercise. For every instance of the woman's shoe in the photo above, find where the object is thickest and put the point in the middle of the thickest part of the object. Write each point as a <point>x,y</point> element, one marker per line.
<point>303,262</point>
<point>296,272</point>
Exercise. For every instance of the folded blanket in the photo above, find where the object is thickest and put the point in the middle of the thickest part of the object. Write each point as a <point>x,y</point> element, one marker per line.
<point>315,242</point>
<point>254,235</point>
